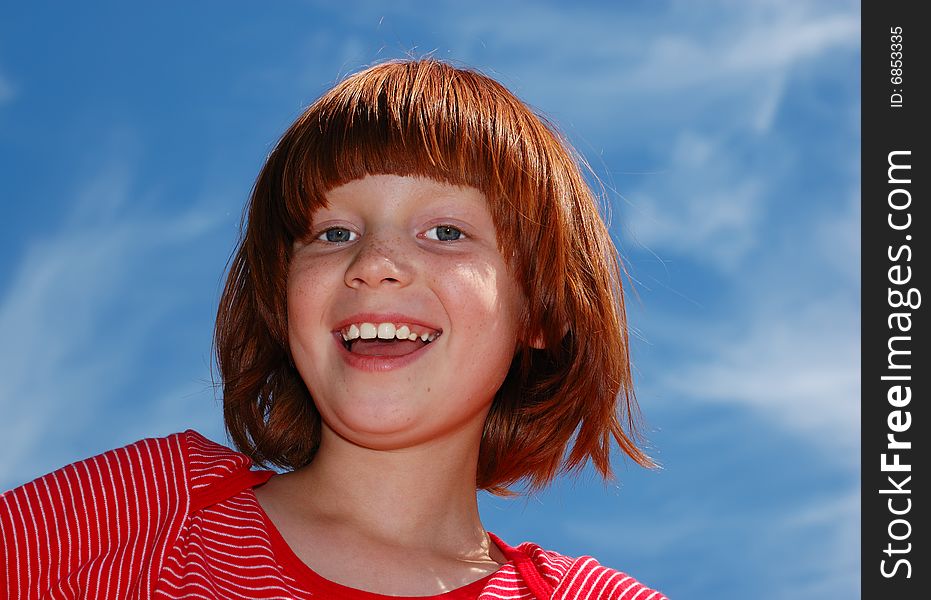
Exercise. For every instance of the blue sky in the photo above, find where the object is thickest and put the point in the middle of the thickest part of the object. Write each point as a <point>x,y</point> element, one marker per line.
<point>727,134</point>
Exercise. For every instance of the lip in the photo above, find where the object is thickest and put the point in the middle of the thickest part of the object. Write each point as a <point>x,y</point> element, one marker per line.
<point>377,364</point>
<point>376,318</point>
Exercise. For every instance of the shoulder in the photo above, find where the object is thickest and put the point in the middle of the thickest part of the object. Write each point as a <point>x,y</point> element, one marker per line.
<point>102,518</point>
<point>168,470</point>
<point>115,512</point>
<point>584,577</point>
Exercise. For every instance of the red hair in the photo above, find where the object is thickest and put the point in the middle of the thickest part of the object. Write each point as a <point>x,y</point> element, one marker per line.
<point>559,407</point>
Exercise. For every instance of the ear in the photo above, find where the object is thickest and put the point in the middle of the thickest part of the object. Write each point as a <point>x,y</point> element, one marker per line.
<point>536,342</point>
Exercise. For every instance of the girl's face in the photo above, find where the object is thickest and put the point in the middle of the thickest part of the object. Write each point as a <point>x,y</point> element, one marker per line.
<point>402,256</point>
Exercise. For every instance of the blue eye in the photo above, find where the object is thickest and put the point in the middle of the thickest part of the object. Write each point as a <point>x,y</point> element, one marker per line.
<point>445,233</point>
<point>336,235</point>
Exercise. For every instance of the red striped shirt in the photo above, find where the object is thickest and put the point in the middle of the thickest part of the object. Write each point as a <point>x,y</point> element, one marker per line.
<point>176,517</point>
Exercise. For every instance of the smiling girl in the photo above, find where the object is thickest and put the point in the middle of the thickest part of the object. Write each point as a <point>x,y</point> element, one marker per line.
<point>425,303</point>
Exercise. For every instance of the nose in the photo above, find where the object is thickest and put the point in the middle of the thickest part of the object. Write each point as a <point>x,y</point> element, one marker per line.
<point>380,259</point>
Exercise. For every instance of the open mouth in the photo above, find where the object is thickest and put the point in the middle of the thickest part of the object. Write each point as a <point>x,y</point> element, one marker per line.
<point>385,339</point>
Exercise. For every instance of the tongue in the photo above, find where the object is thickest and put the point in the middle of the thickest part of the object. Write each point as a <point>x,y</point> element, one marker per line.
<point>377,347</point>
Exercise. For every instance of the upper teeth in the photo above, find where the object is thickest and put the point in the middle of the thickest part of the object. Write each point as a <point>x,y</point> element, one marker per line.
<point>385,331</point>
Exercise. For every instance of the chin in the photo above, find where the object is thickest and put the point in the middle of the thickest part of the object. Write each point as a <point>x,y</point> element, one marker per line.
<point>386,427</point>
<point>377,422</point>
<point>380,436</point>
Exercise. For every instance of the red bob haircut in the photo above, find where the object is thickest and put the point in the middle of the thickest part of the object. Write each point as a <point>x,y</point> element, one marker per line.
<point>558,407</point>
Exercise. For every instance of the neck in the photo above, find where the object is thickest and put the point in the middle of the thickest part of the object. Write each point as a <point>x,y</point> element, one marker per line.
<point>417,497</point>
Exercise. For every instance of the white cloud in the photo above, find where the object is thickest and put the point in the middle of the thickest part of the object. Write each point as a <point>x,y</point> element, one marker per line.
<point>752,43</point>
<point>702,206</point>
<point>800,366</point>
<point>626,68</point>
<point>784,339</point>
<point>72,337</point>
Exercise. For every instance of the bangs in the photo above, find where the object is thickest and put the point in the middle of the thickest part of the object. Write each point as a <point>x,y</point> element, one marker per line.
<point>424,119</point>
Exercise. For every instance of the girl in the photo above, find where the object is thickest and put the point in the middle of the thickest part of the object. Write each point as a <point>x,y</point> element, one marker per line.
<point>425,302</point>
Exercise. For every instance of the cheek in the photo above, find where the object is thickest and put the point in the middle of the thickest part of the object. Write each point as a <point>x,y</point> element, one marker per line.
<point>306,300</point>
<point>469,287</point>
<point>483,297</point>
